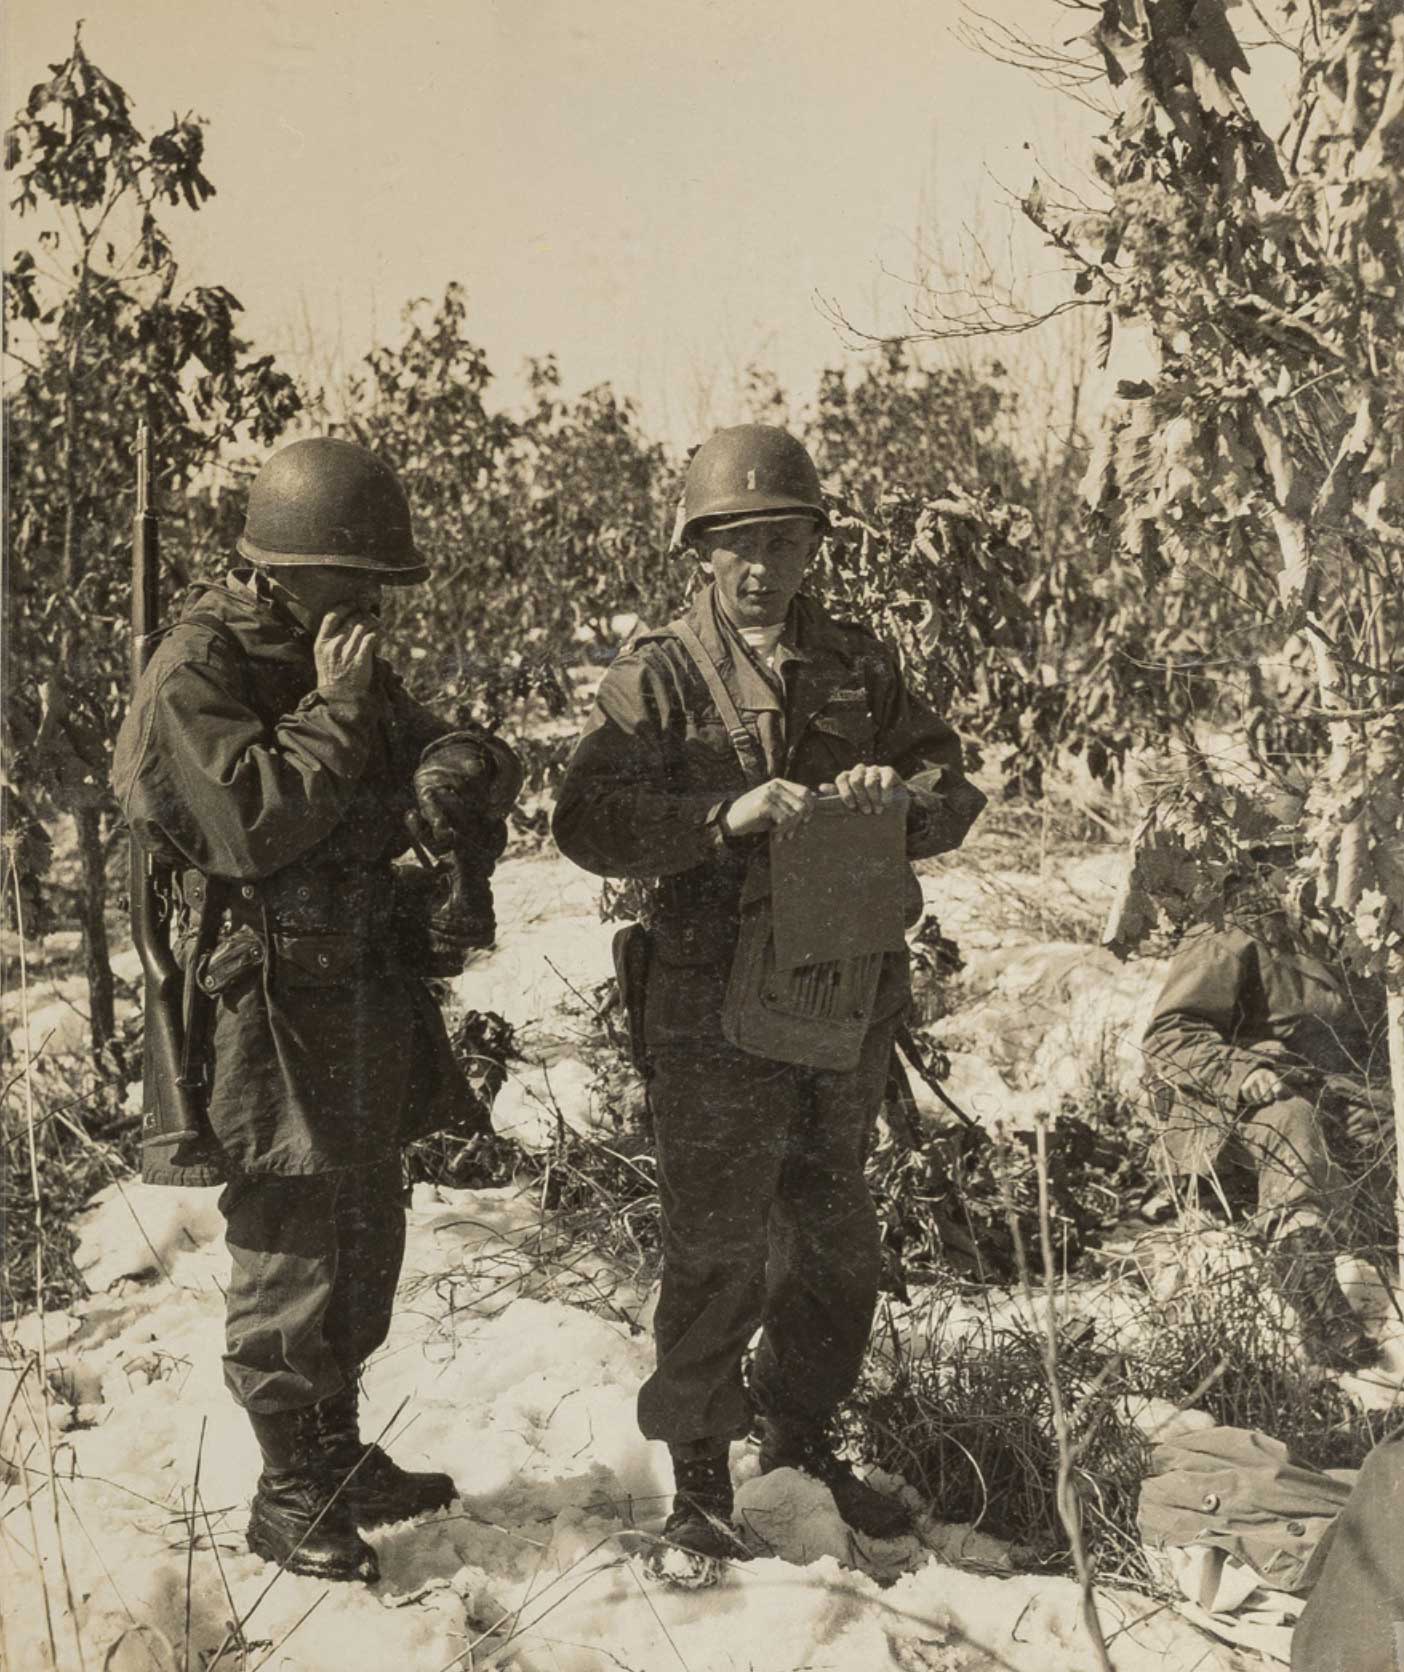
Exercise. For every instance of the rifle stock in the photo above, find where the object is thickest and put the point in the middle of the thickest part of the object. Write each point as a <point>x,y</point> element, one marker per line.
<point>172,1112</point>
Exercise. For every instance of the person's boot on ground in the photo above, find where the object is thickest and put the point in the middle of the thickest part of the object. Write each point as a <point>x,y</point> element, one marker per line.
<point>377,1490</point>
<point>703,1505</point>
<point>808,1447</point>
<point>1301,1265</point>
<point>297,1518</point>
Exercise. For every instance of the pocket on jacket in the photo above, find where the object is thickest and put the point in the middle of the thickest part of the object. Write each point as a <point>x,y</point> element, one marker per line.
<point>320,960</point>
<point>848,731</point>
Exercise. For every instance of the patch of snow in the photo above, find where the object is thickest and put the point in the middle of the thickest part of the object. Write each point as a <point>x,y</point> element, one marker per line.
<point>528,1400</point>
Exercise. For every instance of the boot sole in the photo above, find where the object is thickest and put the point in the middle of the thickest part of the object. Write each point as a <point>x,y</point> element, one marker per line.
<point>367,1569</point>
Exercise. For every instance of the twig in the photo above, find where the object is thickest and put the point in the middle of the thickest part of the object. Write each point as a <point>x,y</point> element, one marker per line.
<point>1069,1508</point>
<point>311,1607</point>
<point>659,1618</point>
<point>39,1284</point>
<point>190,1540</point>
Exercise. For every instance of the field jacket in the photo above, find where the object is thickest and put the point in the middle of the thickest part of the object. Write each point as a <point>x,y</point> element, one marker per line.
<point>247,779</point>
<point>1231,1004</point>
<point>654,767</point>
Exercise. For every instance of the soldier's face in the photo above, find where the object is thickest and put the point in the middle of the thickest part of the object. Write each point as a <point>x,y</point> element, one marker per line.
<point>318,589</point>
<point>758,567</point>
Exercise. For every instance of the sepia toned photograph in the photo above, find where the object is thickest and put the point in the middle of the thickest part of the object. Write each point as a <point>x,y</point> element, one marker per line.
<point>702,812</point>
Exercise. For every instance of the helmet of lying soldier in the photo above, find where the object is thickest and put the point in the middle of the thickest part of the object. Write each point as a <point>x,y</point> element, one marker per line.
<point>327,503</point>
<point>749,473</point>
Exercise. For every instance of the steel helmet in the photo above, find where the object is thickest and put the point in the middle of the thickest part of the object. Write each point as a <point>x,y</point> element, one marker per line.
<point>751,470</point>
<point>326,501</point>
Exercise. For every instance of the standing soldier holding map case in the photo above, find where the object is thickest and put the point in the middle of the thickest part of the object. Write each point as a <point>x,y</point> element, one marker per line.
<point>710,739</point>
<point>272,767</point>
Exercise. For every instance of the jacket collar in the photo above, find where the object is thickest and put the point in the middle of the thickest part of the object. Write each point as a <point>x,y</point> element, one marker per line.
<point>808,637</point>
<point>244,601</point>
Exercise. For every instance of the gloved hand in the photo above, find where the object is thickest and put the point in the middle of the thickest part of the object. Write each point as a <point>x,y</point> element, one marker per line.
<point>442,916</point>
<point>465,784</point>
<point>1368,1111</point>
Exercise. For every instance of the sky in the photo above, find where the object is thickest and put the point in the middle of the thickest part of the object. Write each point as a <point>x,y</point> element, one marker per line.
<point>657,191</point>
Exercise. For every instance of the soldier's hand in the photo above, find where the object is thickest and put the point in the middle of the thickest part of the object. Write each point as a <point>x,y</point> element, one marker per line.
<point>1369,1117</point>
<point>1261,1086</point>
<point>344,653</point>
<point>868,789</point>
<point>776,805</point>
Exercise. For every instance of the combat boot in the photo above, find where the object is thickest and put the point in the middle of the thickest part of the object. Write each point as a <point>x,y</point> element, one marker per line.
<point>1301,1265</point>
<point>807,1447</point>
<point>703,1504</point>
<point>376,1489</point>
<point>297,1519</point>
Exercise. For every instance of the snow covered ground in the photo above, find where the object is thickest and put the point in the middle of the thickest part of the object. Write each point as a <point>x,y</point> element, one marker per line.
<point>125,1469</point>
<point>529,1403</point>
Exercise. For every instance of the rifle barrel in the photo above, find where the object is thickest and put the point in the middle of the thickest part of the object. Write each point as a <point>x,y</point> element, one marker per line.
<point>146,574</point>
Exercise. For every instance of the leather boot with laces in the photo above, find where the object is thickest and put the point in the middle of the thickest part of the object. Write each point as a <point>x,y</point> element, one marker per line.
<point>1301,1265</point>
<point>808,1448</point>
<point>703,1504</point>
<point>296,1519</point>
<point>377,1490</point>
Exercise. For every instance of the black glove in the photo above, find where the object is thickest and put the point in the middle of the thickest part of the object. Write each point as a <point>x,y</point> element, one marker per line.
<point>441,916</point>
<point>464,786</point>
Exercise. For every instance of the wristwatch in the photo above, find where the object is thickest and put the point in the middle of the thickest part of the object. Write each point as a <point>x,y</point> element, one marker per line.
<point>715,825</point>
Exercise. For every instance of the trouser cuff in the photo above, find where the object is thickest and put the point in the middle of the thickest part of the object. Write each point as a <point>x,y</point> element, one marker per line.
<point>698,1451</point>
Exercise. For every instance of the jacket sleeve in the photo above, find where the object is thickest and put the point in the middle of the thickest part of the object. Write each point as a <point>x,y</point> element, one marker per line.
<point>1212,990</point>
<point>615,813</point>
<point>235,798</point>
<point>413,727</point>
<point>927,752</point>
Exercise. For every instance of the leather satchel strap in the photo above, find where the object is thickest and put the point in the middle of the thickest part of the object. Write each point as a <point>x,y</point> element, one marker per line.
<point>747,749</point>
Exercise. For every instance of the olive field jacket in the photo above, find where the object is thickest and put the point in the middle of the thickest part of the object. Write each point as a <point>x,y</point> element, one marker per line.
<point>233,766</point>
<point>655,766</point>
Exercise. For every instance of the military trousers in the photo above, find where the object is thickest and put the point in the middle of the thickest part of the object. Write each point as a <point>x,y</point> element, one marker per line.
<point>1285,1142</point>
<point>768,1224</point>
<point>314,1263</point>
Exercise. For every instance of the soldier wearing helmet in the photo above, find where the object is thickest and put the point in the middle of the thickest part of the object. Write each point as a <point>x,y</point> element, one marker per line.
<point>708,737</point>
<point>272,760</point>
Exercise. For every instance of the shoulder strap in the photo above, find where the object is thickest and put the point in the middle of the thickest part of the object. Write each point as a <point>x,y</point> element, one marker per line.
<point>221,629</point>
<point>198,618</point>
<point>747,750</point>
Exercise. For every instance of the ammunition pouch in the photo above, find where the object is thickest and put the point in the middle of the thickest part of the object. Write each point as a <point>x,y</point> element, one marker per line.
<point>238,955</point>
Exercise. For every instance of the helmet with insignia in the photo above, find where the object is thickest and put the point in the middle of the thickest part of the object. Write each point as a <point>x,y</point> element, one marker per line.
<point>750,473</point>
<point>329,502</point>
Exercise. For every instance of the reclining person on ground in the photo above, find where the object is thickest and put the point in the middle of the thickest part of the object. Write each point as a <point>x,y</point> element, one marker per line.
<point>1267,1055</point>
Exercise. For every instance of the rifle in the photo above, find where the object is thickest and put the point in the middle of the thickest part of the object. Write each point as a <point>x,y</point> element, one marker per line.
<point>175,1132</point>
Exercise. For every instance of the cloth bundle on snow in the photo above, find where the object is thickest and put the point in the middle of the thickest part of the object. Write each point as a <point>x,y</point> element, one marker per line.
<point>1235,1495</point>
